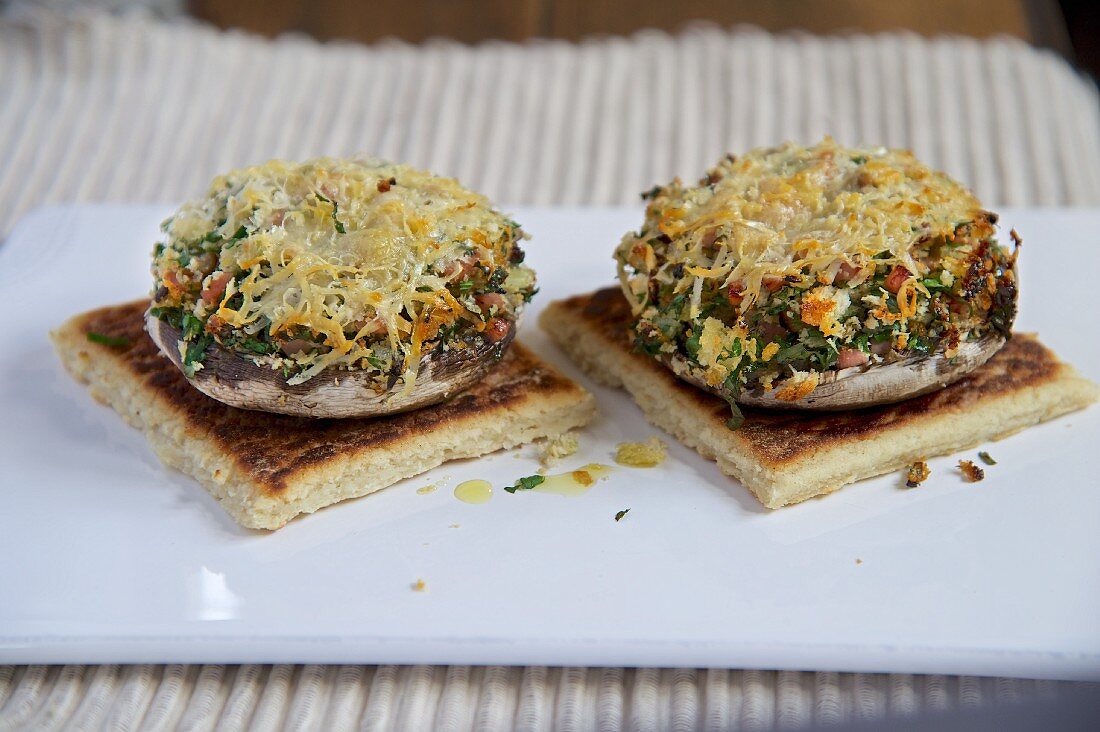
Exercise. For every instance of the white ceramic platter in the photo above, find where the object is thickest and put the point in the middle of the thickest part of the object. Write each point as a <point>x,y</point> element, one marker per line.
<point>110,557</point>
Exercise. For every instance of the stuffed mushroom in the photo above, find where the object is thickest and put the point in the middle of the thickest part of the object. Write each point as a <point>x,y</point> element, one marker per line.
<point>337,288</point>
<point>819,277</point>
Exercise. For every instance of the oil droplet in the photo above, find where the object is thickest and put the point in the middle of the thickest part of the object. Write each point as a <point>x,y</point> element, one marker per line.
<point>474,491</point>
<point>424,489</point>
<point>575,482</point>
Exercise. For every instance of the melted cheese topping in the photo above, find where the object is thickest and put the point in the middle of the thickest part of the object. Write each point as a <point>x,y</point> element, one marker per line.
<point>340,247</point>
<point>794,212</point>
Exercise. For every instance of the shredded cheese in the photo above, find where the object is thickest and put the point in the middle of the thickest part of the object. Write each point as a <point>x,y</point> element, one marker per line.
<point>344,250</point>
<point>799,212</point>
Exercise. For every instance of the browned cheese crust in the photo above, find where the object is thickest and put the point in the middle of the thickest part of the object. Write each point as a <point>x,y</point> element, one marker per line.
<point>786,457</point>
<point>266,468</point>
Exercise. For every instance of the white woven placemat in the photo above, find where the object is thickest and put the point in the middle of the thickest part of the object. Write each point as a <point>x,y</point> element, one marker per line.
<point>103,108</point>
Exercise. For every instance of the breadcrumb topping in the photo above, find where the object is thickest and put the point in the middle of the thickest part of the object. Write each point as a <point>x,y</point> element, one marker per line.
<point>648,454</point>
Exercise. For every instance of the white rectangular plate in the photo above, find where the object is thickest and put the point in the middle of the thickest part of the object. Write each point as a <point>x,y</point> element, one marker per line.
<point>111,557</point>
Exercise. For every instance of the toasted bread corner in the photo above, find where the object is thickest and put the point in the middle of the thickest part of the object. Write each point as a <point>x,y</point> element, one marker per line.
<point>790,456</point>
<point>265,469</point>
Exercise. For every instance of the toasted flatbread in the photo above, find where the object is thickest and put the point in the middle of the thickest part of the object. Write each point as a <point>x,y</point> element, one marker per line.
<point>790,456</point>
<point>265,469</point>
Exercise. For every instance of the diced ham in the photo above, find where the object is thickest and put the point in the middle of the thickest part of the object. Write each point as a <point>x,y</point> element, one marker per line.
<point>297,345</point>
<point>215,287</point>
<point>373,325</point>
<point>845,273</point>
<point>773,283</point>
<point>642,257</point>
<point>459,269</point>
<point>376,325</point>
<point>171,280</point>
<point>771,332</point>
<point>205,263</point>
<point>850,357</point>
<point>490,300</point>
<point>214,324</point>
<point>897,277</point>
<point>735,292</point>
<point>496,329</point>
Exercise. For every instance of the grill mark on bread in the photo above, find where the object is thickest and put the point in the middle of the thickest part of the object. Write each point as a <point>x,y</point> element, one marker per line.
<point>274,448</point>
<point>777,437</point>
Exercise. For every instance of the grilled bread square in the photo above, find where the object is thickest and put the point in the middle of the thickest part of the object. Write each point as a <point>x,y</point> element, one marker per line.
<point>785,457</point>
<point>265,469</point>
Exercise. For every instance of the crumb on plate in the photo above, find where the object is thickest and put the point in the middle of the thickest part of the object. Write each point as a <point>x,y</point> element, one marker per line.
<point>648,454</point>
<point>555,448</point>
<point>917,473</point>
<point>970,471</point>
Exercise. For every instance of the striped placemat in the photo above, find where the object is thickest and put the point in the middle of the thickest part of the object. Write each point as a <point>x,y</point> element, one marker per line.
<point>108,108</point>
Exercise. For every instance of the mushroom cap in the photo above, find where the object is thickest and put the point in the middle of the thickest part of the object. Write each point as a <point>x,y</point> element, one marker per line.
<point>864,386</point>
<point>236,380</point>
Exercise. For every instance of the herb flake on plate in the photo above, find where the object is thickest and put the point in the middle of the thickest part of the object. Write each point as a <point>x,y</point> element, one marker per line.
<point>526,484</point>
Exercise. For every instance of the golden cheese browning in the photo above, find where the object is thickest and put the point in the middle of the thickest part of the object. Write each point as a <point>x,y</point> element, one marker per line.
<point>803,212</point>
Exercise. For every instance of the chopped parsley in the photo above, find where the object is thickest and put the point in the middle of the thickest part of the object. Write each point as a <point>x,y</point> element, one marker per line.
<point>106,340</point>
<point>239,234</point>
<point>257,346</point>
<point>620,514</point>
<point>933,284</point>
<point>526,484</point>
<point>195,353</point>
<point>987,458</point>
<point>171,315</point>
<point>737,417</point>
<point>335,210</point>
<point>192,327</point>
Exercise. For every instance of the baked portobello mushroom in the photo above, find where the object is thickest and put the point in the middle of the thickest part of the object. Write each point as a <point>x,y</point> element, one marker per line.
<point>819,278</point>
<point>337,288</point>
